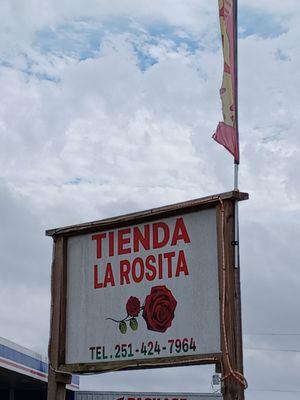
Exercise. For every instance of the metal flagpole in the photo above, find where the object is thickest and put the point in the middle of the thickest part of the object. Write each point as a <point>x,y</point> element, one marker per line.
<point>239,344</point>
<point>236,165</point>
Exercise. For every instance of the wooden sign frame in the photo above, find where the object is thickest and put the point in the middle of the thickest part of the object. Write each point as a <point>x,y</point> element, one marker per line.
<point>229,361</point>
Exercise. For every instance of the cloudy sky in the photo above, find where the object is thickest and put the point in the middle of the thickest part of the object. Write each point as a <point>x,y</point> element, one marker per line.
<point>108,107</point>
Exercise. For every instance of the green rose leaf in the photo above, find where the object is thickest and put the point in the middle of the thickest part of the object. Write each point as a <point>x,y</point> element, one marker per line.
<point>133,324</point>
<point>123,327</point>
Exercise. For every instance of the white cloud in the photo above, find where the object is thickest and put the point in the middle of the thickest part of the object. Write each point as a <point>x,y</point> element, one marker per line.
<point>103,138</point>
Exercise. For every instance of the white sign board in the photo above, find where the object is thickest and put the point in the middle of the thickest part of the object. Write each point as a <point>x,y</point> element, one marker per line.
<point>145,396</point>
<point>144,291</point>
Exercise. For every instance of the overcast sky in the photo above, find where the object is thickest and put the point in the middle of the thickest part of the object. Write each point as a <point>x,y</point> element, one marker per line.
<point>108,107</point>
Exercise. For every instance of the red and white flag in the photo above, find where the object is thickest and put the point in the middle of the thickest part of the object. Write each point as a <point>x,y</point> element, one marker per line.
<point>227,132</point>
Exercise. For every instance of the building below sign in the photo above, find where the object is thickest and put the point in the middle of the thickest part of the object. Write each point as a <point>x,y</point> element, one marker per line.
<point>145,396</point>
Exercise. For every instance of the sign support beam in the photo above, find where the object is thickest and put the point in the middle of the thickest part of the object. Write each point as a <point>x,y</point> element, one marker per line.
<point>57,380</point>
<point>232,359</point>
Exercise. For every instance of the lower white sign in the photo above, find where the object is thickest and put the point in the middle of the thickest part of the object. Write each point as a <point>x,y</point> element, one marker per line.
<point>144,291</point>
<point>145,396</point>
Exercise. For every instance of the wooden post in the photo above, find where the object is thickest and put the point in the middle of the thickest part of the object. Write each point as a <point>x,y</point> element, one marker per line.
<point>57,380</point>
<point>233,361</point>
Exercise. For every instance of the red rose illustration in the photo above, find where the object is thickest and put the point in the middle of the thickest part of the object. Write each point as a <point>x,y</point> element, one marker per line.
<point>133,306</point>
<point>159,309</point>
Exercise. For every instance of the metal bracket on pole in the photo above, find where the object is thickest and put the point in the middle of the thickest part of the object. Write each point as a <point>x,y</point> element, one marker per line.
<point>63,377</point>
